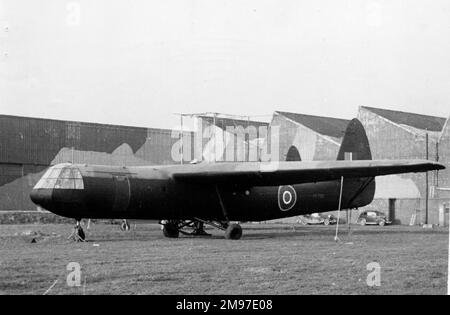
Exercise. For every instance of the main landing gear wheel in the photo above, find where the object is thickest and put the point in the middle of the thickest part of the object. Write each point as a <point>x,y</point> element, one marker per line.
<point>233,232</point>
<point>171,230</point>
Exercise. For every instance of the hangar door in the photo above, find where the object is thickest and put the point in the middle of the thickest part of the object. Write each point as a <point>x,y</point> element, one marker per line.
<point>121,193</point>
<point>293,154</point>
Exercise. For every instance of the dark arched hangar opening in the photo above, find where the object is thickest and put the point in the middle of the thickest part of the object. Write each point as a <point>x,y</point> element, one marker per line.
<point>293,154</point>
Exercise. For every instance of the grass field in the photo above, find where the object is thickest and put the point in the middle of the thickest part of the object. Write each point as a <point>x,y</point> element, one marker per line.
<point>269,259</point>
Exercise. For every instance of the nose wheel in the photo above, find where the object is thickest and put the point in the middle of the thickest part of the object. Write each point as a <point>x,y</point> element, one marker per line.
<point>125,226</point>
<point>78,233</point>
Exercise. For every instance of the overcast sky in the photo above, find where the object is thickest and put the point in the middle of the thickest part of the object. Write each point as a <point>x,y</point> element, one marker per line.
<point>137,62</point>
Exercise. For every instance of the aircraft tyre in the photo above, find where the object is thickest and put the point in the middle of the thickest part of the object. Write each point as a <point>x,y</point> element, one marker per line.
<point>233,232</point>
<point>171,230</point>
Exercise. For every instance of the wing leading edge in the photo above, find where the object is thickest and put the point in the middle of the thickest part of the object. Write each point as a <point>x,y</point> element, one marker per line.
<point>284,173</point>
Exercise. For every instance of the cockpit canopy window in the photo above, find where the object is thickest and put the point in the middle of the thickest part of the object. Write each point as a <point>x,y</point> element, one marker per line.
<point>62,176</point>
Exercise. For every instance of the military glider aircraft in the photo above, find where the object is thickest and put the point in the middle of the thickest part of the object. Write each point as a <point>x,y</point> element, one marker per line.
<point>184,197</point>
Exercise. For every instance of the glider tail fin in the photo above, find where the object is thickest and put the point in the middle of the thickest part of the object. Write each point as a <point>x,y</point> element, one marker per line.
<point>355,145</point>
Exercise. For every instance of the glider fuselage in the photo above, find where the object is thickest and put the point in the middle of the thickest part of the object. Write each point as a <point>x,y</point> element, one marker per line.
<point>149,193</point>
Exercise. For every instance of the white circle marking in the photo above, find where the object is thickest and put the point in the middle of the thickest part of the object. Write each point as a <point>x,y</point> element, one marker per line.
<point>289,194</point>
<point>286,199</point>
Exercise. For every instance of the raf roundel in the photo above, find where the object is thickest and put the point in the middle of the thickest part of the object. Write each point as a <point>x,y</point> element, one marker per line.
<point>287,198</point>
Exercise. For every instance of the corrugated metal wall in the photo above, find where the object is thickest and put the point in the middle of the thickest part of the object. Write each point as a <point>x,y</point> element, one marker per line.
<point>29,145</point>
<point>388,141</point>
<point>391,141</point>
<point>444,157</point>
<point>310,144</point>
<point>237,140</point>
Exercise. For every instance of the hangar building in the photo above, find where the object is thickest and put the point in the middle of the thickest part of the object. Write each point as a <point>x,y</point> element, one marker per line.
<point>392,135</point>
<point>307,137</point>
<point>230,138</point>
<point>444,158</point>
<point>400,135</point>
<point>29,145</point>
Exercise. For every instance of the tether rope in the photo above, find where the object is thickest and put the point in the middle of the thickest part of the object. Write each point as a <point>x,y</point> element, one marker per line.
<point>336,238</point>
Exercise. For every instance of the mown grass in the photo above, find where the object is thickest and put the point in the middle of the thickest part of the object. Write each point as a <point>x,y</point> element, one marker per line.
<point>269,259</point>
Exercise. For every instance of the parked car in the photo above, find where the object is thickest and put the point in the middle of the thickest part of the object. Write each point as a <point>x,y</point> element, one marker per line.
<point>317,218</point>
<point>372,217</point>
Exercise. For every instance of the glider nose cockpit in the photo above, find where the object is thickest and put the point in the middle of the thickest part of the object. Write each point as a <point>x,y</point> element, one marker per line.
<point>58,181</point>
